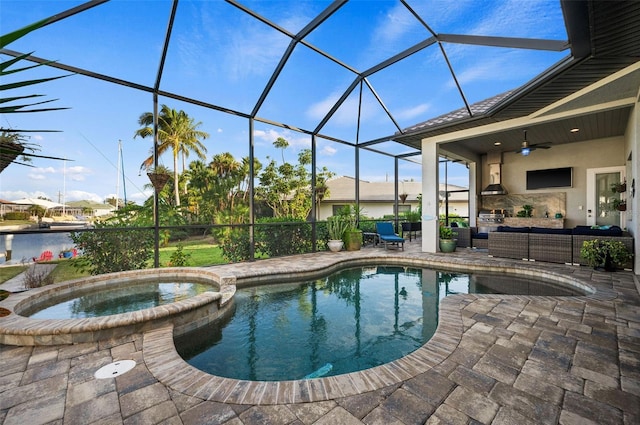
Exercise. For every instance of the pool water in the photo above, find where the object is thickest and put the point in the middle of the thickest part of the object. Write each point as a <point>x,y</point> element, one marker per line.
<point>352,320</point>
<point>120,299</point>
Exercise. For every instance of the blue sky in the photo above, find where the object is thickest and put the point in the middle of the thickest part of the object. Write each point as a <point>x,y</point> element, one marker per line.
<point>224,57</point>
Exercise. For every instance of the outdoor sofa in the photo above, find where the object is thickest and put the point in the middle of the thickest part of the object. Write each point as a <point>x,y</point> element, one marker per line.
<point>550,245</point>
<point>469,237</point>
<point>539,243</point>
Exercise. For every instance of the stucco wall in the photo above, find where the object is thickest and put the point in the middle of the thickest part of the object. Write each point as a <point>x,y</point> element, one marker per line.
<point>581,156</point>
<point>632,155</point>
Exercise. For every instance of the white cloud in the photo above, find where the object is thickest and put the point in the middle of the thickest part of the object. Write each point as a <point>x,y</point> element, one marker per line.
<point>328,151</point>
<point>77,173</point>
<point>253,51</point>
<point>267,136</point>
<point>318,110</point>
<point>34,176</point>
<point>414,112</point>
<point>139,197</point>
<point>295,139</point>
<point>77,169</point>
<point>219,130</point>
<point>80,195</point>
<point>12,195</point>
<point>347,113</point>
<point>47,170</point>
<point>397,22</point>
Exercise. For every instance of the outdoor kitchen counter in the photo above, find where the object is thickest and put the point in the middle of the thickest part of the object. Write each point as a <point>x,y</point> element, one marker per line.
<point>550,223</point>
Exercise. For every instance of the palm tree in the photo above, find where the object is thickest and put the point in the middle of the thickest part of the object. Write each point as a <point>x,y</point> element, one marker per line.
<point>176,132</point>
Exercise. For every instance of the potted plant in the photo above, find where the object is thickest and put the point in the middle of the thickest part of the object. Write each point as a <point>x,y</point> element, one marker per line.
<point>526,211</point>
<point>412,216</point>
<point>619,187</point>
<point>619,204</point>
<point>336,226</point>
<point>604,254</point>
<point>352,236</point>
<point>412,223</point>
<point>447,242</point>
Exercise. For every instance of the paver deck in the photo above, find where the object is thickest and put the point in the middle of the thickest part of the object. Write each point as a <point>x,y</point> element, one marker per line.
<point>494,360</point>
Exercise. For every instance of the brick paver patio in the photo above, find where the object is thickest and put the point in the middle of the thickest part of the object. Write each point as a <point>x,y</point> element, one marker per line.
<point>502,360</point>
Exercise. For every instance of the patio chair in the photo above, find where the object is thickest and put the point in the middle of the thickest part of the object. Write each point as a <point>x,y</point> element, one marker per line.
<point>45,256</point>
<point>387,235</point>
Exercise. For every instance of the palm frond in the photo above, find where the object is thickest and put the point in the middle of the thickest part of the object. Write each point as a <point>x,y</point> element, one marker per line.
<point>26,83</point>
<point>33,110</point>
<point>6,64</point>
<point>12,145</point>
<point>13,99</point>
<point>13,36</point>
<point>17,130</point>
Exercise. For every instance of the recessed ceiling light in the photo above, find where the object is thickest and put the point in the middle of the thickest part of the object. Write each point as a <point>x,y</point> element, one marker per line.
<point>497,143</point>
<point>574,130</point>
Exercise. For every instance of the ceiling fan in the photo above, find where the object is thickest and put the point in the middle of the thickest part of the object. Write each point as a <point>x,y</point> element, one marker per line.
<point>526,148</point>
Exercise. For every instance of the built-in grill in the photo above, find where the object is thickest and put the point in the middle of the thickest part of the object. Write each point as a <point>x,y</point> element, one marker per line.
<point>491,217</point>
<point>489,220</point>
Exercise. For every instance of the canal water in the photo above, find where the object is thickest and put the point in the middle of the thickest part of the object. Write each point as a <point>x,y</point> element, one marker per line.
<point>27,246</point>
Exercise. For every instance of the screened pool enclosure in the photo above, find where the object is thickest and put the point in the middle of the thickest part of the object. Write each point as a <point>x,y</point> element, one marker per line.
<point>282,97</point>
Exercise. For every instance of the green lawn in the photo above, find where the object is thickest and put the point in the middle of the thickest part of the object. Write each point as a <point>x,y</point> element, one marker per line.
<point>202,253</point>
<point>15,222</point>
<point>7,273</point>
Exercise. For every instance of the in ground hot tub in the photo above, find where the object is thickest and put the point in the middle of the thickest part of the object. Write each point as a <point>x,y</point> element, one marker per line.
<point>185,314</point>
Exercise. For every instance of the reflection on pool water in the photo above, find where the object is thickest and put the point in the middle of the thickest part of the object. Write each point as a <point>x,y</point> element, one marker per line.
<point>352,320</point>
<point>121,299</point>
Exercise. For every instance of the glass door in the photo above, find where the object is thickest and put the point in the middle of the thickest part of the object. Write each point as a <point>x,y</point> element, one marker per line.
<point>602,201</point>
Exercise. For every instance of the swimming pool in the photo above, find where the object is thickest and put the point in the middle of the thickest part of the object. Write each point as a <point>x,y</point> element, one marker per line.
<point>351,320</point>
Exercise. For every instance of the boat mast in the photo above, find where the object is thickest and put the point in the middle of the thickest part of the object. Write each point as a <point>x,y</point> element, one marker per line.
<point>64,188</point>
<point>124,180</point>
<point>118,174</point>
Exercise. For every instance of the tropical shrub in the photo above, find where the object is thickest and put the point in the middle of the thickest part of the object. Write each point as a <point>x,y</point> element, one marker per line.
<point>277,236</point>
<point>597,252</point>
<point>274,237</point>
<point>17,215</point>
<point>113,249</point>
<point>179,258</point>
<point>236,245</point>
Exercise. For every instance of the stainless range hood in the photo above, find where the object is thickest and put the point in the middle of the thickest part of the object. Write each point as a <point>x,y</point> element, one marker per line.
<point>494,160</point>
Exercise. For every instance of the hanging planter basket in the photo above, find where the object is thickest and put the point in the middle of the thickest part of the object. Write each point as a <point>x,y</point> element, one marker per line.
<point>619,187</point>
<point>158,180</point>
<point>9,151</point>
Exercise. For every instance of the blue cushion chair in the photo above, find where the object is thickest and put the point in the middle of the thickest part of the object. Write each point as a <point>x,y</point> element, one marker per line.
<point>387,235</point>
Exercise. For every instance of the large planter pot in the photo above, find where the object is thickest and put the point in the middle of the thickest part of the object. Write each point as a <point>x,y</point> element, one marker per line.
<point>448,245</point>
<point>606,266</point>
<point>335,245</point>
<point>353,240</point>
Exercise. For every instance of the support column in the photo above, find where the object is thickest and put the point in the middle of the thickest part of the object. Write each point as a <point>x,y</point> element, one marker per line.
<point>473,193</point>
<point>430,197</point>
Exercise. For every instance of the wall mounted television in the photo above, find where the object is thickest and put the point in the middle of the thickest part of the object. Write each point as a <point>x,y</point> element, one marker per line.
<point>553,177</point>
